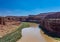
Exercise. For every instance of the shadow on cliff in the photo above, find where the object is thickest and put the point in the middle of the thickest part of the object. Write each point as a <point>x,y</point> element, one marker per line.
<point>48,33</point>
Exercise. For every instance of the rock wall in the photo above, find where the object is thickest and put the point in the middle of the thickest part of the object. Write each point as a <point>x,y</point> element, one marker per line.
<point>52,23</point>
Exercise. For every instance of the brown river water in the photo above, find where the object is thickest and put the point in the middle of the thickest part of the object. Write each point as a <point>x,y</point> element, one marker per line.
<point>31,34</point>
<point>35,34</point>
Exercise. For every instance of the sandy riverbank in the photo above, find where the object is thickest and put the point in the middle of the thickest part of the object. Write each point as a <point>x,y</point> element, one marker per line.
<point>47,38</point>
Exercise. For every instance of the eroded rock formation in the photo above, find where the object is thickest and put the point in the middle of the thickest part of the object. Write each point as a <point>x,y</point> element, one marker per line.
<point>2,21</point>
<point>52,23</point>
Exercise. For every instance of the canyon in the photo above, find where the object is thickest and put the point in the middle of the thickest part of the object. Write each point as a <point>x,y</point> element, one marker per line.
<point>49,22</point>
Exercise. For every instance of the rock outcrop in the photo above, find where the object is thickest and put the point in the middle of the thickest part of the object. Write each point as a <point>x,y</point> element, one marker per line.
<point>52,23</point>
<point>2,21</point>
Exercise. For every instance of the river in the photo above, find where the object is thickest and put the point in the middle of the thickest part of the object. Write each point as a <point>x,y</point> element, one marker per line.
<point>31,34</point>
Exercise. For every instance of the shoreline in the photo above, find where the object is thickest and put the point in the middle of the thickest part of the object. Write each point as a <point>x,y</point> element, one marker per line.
<point>47,38</point>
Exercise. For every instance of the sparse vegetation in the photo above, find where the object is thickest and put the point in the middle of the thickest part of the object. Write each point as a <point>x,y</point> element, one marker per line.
<point>57,39</point>
<point>14,36</point>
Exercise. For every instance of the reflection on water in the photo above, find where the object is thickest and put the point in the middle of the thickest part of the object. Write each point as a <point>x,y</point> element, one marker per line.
<point>31,34</point>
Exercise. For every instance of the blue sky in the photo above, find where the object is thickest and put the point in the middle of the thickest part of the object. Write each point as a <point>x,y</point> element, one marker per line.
<point>26,7</point>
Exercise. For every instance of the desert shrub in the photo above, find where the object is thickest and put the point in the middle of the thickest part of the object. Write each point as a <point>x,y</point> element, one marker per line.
<point>14,36</point>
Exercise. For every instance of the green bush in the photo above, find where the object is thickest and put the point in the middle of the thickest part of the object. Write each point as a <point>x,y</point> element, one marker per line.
<point>14,36</point>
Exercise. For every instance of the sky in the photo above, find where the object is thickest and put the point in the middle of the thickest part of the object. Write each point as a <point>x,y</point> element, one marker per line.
<point>28,7</point>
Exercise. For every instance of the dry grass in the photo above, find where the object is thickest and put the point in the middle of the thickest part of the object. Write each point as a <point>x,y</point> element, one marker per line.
<point>33,25</point>
<point>15,35</point>
<point>8,28</point>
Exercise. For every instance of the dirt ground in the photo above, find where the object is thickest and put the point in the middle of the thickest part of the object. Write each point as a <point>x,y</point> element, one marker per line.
<point>8,28</point>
